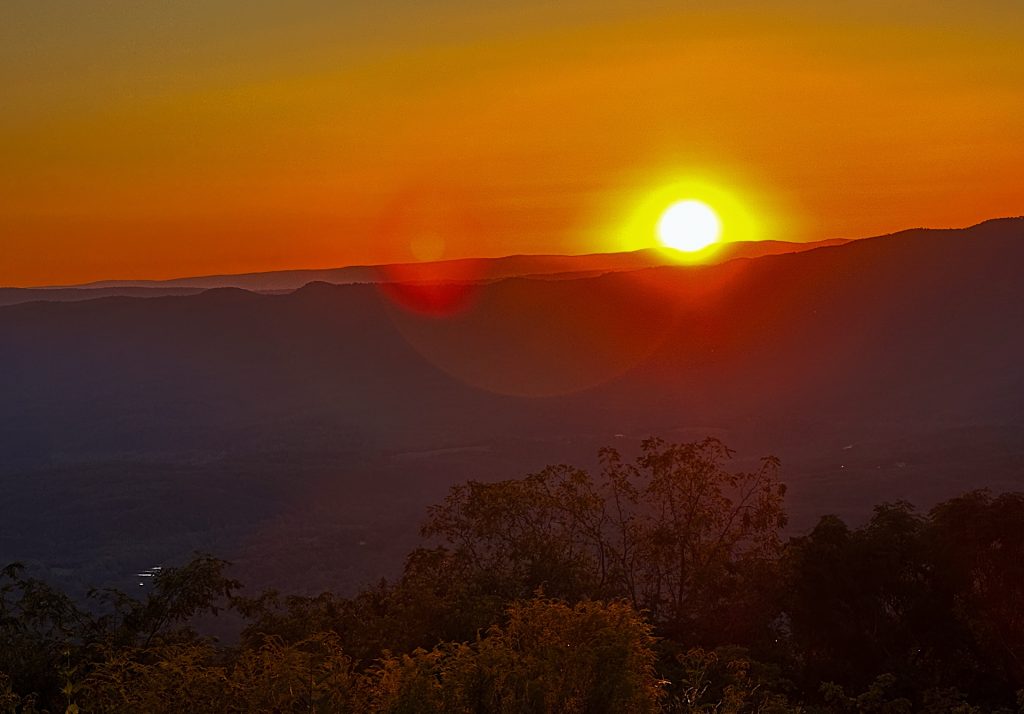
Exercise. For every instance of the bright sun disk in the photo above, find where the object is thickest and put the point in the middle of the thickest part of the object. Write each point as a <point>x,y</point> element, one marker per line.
<point>689,226</point>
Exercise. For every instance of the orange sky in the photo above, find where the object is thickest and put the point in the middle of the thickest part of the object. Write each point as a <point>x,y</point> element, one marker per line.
<point>154,140</point>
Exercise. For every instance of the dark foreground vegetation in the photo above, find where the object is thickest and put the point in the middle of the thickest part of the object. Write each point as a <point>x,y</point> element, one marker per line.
<point>660,584</point>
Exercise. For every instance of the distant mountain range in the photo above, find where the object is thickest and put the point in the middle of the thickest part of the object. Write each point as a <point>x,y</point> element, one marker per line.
<point>476,269</point>
<point>311,428</point>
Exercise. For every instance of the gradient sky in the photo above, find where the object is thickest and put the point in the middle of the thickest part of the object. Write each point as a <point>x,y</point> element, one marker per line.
<point>158,139</point>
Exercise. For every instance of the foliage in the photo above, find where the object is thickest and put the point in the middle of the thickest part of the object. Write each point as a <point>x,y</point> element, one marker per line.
<point>40,629</point>
<point>547,657</point>
<point>177,596</point>
<point>675,533</point>
<point>930,600</point>
<point>858,600</point>
<point>544,594</point>
<point>551,656</point>
<point>692,537</point>
<point>726,681</point>
<point>48,643</point>
<point>514,536</point>
<point>876,698</point>
<point>311,675</point>
<point>977,544</point>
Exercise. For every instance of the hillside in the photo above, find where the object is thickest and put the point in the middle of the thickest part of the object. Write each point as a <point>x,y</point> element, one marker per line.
<point>312,428</point>
<point>476,269</point>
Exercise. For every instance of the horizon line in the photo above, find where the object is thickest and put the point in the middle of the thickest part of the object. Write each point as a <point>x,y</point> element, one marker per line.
<point>150,282</point>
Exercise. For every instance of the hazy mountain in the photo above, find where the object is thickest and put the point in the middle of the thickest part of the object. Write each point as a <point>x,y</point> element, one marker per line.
<point>461,269</point>
<point>312,428</point>
<point>16,296</point>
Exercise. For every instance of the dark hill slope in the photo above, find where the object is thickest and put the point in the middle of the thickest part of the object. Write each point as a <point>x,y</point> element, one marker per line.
<point>304,433</point>
<point>485,269</point>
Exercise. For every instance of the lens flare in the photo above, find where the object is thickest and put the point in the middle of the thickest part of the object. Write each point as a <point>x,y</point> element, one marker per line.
<point>425,218</point>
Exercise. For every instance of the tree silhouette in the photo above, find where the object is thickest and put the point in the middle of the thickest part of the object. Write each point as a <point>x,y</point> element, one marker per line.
<point>674,532</point>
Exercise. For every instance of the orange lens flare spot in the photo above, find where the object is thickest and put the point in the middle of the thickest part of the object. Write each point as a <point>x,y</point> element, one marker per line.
<point>426,220</point>
<point>435,298</point>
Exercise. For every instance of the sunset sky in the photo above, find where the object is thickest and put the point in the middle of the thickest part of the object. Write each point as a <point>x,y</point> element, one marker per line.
<point>155,140</point>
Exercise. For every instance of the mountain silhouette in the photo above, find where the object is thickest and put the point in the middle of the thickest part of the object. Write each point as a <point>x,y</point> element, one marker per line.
<point>330,416</point>
<point>479,268</point>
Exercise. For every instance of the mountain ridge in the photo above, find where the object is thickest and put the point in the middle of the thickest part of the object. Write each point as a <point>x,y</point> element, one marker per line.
<point>482,268</point>
<point>241,423</point>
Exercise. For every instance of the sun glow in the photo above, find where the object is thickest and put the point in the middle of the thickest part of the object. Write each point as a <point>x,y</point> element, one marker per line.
<point>689,226</point>
<point>690,218</point>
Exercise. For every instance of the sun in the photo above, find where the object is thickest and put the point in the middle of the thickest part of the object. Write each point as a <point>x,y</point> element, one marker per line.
<point>689,226</point>
<point>689,218</point>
